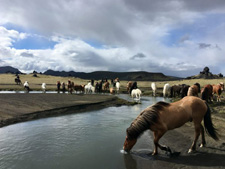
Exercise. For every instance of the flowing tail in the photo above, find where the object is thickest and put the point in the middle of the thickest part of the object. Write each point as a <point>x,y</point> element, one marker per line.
<point>209,127</point>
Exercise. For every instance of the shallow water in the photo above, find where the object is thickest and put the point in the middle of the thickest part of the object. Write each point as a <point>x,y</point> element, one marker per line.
<point>86,140</point>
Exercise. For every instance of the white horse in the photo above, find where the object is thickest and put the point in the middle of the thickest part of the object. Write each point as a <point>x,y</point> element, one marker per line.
<point>136,93</point>
<point>154,88</point>
<point>43,87</point>
<point>166,89</point>
<point>89,88</point>
<point>117,86</point>
<point>26,86</point>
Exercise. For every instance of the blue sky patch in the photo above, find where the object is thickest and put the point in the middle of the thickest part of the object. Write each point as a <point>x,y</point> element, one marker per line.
<point>34,42</point>
<point>195,31</point>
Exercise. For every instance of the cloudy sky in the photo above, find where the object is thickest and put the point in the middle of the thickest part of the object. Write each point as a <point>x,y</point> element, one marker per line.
<point>175,37</point>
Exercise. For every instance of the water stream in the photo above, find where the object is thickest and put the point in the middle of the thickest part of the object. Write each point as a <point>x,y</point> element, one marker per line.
<point>90,140</point>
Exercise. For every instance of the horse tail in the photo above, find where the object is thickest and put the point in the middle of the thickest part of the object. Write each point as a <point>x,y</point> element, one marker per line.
<point>209,127</point>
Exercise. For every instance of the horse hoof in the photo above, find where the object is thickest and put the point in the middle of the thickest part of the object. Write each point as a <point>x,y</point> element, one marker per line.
<point>190,151</point>
<point>202,145</point>
<point>154,153</point>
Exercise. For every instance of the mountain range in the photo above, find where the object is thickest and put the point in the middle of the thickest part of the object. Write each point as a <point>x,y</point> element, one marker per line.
<point>97,75</point>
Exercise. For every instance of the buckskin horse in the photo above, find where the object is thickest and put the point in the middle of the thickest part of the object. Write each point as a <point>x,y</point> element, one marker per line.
<point>163,116</point>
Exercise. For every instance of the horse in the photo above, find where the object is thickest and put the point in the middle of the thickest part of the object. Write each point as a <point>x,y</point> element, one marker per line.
<point>89,88</point>
<point>26,86</point>
<point>117,86</point>
<point>43,87</point>
<point>136,93</point>
<point>193,90</point>
<point>218,90</point>
<point>184,90</point>
<point>79,88</point>
<point>18,81</point>
<point>129,84</point>
<point>63,87</point>
<point>166,89</point>
<point>134,86</point>
<point>175,89</point>
<point>199,88</point>
<point>106,86</point>
<point>206,93</point>
<point>70,86</point>
<point>58,84</point>
<point>163,116</point>
<point>154,88</point>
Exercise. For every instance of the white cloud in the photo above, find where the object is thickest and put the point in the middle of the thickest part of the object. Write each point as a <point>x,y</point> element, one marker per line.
<point>123,28</point>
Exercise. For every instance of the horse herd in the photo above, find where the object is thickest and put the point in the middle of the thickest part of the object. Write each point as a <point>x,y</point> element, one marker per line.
<point>206,92</point>
<point>71,87</point>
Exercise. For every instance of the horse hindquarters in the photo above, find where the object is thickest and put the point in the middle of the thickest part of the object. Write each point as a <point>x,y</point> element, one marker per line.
<point>209,128</point>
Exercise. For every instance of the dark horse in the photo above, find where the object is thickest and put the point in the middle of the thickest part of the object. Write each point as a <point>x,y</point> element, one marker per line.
<point>133,86</point>
<point>163,116</point>
<point>184,90</point>
<point>18,81</point>
<point>175,89</point>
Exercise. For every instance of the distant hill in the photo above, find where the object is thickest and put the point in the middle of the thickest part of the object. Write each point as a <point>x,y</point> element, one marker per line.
<point>9,69</point>
<point>133,76</point>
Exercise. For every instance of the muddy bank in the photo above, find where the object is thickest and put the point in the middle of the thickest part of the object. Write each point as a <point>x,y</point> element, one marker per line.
<point>23,107</point>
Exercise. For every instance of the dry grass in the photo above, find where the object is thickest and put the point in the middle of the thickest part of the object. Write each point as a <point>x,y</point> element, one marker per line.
<point>7,82</point>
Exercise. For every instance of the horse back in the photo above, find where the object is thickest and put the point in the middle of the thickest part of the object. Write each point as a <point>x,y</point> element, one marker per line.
<point>178,113</point>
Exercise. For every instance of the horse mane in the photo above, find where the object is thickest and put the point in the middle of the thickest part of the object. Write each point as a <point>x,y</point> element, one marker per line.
<point>146,118</point>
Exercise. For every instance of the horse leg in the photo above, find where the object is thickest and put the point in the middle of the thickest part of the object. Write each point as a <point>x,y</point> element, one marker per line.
<point>157,136</point>
<point>197,133</point>
<point>219,98</point>
<point>203,136</point>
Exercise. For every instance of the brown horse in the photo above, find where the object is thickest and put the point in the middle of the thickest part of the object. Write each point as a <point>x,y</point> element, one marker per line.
<point>193,90</point>
<point>206,93</point>
<point>175,89</point>
<point>163,116</point>
<point>218,90</point>
<point>106,86</point>
<point>129,85</point>
<point>70,86</point>
<point>78,88</point>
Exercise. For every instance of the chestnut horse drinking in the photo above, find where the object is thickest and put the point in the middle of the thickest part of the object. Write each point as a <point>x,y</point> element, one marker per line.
<point>163,116</point>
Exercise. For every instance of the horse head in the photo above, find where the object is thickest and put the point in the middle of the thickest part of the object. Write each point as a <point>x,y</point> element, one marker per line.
<point>128,144</point>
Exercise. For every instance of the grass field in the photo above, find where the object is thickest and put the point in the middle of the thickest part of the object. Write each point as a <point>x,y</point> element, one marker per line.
<point>7,82</point>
